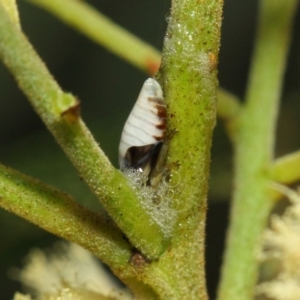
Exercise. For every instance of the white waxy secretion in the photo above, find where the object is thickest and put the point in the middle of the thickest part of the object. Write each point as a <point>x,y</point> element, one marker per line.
<point>144,130</point>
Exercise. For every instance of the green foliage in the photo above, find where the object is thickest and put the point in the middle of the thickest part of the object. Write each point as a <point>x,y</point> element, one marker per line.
<point>153,262</point>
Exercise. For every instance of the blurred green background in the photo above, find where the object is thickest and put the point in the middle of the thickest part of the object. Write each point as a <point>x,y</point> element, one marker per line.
<point>108,88</point>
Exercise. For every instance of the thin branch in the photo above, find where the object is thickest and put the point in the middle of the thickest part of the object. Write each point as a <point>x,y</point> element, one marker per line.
<point>59,214</point>
<point>229,109</point>
<point>229,105</point>
<point>105,32</point>
<point>254,149</point>
<point>12,10</point>
<point>60,112</point>
<point>286,169</point>
<point>108,34</point>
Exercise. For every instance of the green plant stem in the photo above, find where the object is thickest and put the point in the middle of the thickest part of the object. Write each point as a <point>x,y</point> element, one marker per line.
<point>105,32</point>
<point>59,214</point>
<point>228,105</point>
<point>229,109</point>
<point>12,10</point>
<point>59,111</point>
<point>254,150</point>
<point>188,75</point>
<point>286,169</point>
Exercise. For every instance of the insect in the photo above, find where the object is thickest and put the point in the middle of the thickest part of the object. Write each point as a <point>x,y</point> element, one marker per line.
<point>142,144</point>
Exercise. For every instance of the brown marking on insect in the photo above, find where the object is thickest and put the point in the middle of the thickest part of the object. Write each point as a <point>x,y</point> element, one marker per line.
<point>161,111</point>
<point>160,106</point>
<point>159,138</point>
<point>156,100</point>
<point>72,113</point>
<point>161,126</point>
<point>138,260</point>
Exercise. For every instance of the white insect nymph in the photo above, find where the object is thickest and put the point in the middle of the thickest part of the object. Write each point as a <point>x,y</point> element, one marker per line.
<point>144,131</point>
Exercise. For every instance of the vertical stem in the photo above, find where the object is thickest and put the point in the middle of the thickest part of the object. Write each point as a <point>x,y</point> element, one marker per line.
<point>254,150</point>
<point>189,78</point>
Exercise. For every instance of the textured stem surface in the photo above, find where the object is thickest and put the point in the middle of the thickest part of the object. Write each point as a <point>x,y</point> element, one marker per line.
<point>61,114</point>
